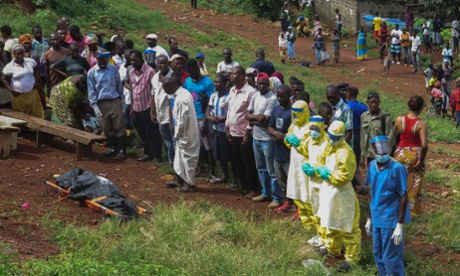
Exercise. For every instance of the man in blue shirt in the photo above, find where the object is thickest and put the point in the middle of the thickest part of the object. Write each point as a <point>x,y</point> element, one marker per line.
<point>105,93</point>
<point>279,124</point>
<point>388,209</point>
<point>201,87</point>
<point>357,108</point>
<point>261,64</point>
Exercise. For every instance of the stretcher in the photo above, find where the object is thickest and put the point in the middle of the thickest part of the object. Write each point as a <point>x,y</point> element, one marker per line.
<point>93,204</point>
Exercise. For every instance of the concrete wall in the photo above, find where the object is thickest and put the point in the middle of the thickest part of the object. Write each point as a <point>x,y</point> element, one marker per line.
<point>353,10</point>
<point>325,9</point>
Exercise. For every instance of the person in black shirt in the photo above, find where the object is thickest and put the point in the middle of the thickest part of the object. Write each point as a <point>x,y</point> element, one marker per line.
<point>261,64</point>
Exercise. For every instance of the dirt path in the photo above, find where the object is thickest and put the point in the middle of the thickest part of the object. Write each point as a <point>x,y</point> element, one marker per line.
<point>368,73</point>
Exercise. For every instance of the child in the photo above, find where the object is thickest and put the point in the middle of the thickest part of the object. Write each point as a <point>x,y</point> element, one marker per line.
<point>436,97</point>
<point>282,42</point>
<point>387,61</point>
<point>90,122</point>
<point>428,73</point>
<point>291,42</point>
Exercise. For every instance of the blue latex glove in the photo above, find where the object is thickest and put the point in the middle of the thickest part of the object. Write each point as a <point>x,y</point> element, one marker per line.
<point>324,172</point>
<point>293,140</point>
<point>308,169</point>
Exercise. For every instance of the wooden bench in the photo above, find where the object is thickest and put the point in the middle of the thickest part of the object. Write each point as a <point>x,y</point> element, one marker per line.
<point>46,131</point>
<point>12,122</point>
<point>6,132</point>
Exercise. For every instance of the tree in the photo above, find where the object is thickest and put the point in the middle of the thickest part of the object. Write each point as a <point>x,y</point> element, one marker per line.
<point>450,7</point>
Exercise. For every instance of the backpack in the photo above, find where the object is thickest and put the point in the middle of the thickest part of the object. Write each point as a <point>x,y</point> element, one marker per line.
<point>383,127</point>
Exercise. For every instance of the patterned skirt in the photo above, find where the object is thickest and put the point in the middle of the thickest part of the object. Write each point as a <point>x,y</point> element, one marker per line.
<point>409,157</point>
<point>62,114</point>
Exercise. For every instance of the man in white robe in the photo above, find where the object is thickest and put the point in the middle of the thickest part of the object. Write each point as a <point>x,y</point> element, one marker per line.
<point>186,134</point>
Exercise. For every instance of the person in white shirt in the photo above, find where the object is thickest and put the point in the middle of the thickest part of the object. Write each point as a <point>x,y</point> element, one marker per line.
<point>426,27</point>
<point>415,51</point>
<point>226,66</point>
<point>152,42</point>
<point>396,44</point>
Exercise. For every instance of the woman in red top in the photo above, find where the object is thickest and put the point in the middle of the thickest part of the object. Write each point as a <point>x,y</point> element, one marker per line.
<point>412,149</point>
<point>456,97</point>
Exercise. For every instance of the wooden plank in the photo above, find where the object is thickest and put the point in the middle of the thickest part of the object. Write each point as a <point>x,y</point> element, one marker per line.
<point>65,132</point>
<point>11,121</point>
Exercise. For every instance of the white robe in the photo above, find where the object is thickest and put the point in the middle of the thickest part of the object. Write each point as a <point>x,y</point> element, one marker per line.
<point>187,136</point>
<point>297,180</point>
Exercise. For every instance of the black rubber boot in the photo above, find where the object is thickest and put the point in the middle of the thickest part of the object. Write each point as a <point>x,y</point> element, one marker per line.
<point>122,153</point>
<point>115,148</point>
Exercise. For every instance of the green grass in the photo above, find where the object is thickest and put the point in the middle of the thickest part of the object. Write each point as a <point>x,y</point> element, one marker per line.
<point>448,151</point>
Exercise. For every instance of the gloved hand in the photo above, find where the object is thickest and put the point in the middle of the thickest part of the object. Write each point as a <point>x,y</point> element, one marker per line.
<point>324,172</point>
<point>308,169</point>
<point>398,233</point>
<point>97,111</point>
<point>293,140</point>
<point>368,227</point>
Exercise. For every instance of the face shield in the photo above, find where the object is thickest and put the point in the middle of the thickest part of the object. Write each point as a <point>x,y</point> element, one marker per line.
<point>336,133</point>
<point>380,148</point>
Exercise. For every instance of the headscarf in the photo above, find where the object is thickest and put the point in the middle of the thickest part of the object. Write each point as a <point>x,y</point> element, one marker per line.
<point>90,39</point>
<point>25,38</point>
<point>18,47</point>
<point>300,113</point>
<point>278,75</point>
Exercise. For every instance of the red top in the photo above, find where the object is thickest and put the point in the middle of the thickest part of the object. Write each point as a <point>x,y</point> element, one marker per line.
<point>408,138</point>
<point>456,96</point>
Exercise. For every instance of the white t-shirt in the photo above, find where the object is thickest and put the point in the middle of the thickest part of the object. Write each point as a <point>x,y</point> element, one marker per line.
<point>395,36</point>
<point>226,68</point>
<point>416,42</point>
<point>22,78</point>
<point>262,104</point>
<point>426,28</point>
<point>123,71</point>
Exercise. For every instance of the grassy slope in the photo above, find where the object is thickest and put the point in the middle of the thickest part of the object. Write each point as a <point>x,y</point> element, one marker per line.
<point>195,238</point>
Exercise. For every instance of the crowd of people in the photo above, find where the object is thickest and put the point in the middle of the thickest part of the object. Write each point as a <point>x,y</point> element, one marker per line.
<point>282,148</point>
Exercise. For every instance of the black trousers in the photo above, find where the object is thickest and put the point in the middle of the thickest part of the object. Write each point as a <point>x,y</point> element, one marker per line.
<point>193,3</point>
<point>149,133</point>
<point>244,164</point>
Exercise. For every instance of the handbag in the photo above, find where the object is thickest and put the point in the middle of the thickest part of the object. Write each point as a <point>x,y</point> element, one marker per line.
<point>325,56</point>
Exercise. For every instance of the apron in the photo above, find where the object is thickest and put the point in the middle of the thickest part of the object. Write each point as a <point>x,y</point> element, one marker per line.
<point>315,182</point>
<point>297,181</point>
<point>337,204</point>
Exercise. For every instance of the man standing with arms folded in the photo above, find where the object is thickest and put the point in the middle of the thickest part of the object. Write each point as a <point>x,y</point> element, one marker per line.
<point>159,112</point>
<point>389,210</point>
<point>239,132</point>
<point>140,82</point>
<point>258,115</point>
<point>105,93</point>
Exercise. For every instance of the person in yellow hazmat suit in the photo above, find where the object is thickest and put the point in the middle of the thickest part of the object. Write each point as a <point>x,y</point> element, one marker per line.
<point>311,147</point>
<point>297,181</point>
<point>302,26</point>
<point>339,207</point>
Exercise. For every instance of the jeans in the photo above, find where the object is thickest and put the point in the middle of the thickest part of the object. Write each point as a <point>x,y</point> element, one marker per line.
<point>264,153</point>
<point>406,54</point>
<point>149,133</point>
<point>455,43</point>
<point>416,61</point>
<point>282,171</point>
<point>170,143</point>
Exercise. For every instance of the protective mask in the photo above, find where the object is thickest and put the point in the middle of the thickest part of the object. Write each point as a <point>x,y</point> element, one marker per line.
<point>382,158</point>
<point>315,134</point>
<point>334,142</point>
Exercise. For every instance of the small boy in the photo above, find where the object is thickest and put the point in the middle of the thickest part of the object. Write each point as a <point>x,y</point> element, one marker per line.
<point>428,73</point>
<point>283,44</point>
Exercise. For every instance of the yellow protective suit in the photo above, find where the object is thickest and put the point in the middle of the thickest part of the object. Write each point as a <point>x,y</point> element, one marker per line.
<point>302,26</point>
<point>339,207</point>
<point>297,181</point>
<point>311,149</point>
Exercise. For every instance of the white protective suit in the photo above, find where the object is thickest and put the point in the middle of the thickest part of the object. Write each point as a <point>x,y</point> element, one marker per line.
<point>187,136</point>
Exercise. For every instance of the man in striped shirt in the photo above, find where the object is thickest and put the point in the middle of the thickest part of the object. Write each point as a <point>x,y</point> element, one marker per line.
<point>140,83</point>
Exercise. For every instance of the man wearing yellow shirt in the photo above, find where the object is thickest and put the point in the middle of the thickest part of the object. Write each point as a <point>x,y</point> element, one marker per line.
<point>376,25</point>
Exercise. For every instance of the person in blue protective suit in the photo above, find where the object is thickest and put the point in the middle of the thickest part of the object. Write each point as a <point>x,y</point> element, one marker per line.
<point>338,205</point>
<point>312,146</point>
<point>297,181</point>
<point>388,209</point>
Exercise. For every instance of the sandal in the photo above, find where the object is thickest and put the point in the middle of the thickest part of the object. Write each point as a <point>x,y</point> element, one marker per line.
<point>250,195</point>
<point>220,180</point>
